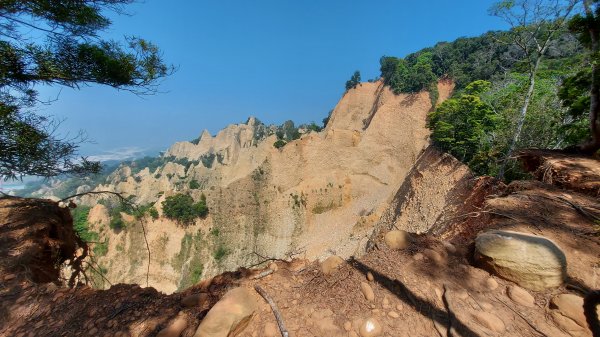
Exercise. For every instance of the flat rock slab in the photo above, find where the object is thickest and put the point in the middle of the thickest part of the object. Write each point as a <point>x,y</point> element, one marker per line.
<point>489,321</point>
<point>570,306</point>
<point>531,261</point>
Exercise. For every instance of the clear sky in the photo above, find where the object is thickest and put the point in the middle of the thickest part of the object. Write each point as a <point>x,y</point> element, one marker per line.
<point>273,59</point>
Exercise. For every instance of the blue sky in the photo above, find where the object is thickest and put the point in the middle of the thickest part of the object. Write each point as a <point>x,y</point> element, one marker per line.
<point>273,59</point>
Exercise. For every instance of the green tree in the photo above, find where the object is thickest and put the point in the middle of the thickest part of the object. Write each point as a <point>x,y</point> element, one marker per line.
<point>463,126</point>
<point>81,225</point>
<point>394,72</point>
<point>353,81</point>
<point>420,75</point>
<point>535,26</point>
<point>48,42</point>
<point>575,95</point>
<point>326,119</point>
<point>410,75</point>
<point>587,27</point>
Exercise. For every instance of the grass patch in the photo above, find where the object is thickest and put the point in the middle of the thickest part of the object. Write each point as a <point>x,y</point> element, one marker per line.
<point>220,253</point>
<point>81,225</point>
<point>100,249</point>
<point>319,208</point>
<point>191,272</point>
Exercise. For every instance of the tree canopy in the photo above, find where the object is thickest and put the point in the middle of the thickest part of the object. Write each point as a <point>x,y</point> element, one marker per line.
<point>464,126</point>
<point>47,42</point>
<point>544,80</point>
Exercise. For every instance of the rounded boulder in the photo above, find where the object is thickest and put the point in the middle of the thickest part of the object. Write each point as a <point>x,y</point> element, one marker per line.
<point>531,261</point>
<point>397,239</point>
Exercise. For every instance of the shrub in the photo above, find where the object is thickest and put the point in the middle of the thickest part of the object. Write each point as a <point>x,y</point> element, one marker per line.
<point>153,212</point>
<point>80,224</point>
<point>115,209</point>
<point>314,127</point>
<point>354,81</point>
<point>279,143</point>
<point>196,271</point>
<point>326,119</point>
<point>220,253</point>
<point>100,249</point>
<point>142,210</point>
<point>181,207</point>
<point>116,222</point>
<point>208,159</point>
<point>194,184</point>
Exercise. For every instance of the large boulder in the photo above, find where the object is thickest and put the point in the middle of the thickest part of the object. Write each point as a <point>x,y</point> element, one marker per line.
<point>230,315</point>
<point>531,261</point>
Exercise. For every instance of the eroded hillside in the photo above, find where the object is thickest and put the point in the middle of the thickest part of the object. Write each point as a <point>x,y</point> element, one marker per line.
<point>318,195</point>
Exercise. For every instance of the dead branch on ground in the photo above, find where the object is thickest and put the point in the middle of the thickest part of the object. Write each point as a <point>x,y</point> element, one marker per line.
<point>276,311</point>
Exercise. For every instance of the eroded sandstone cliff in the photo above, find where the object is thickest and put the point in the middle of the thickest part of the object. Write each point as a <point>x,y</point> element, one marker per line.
<point>316,196</point>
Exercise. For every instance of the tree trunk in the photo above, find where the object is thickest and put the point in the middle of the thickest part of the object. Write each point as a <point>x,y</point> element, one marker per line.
<point>592,145</point>
<point>521,121</point>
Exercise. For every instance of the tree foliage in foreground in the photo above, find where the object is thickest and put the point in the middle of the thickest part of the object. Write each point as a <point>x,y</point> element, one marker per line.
<point>587,27</point>
<point>544,91</point>
<point>477,124</point>
<point>46,42</point>
<point>182,208</point>
<point>535,26</point>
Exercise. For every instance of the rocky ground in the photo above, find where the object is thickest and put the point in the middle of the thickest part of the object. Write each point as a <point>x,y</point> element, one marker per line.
<point>470,275</point>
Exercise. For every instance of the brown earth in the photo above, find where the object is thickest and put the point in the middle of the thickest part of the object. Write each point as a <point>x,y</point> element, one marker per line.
<point>428,289</point>
<point>574,172</point>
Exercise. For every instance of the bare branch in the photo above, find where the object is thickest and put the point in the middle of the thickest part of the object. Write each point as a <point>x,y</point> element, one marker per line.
<point>276,311</point>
